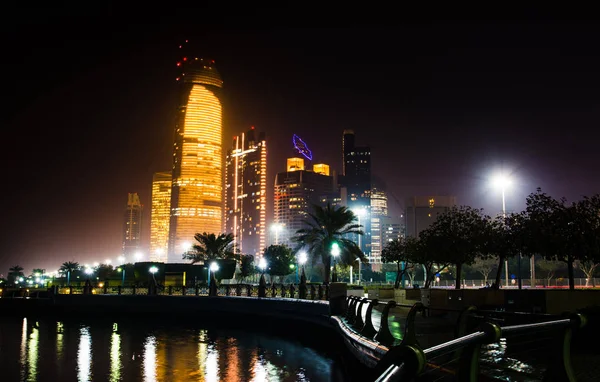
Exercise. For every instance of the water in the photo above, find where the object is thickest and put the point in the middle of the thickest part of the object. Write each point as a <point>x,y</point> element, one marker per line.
<point>126,350</point>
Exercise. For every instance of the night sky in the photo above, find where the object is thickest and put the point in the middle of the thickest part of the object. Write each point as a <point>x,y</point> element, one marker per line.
<point>89,115</point>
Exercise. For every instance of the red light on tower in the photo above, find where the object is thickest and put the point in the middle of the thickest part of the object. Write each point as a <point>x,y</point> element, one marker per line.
<point>252,127</point>
<point>185,59</point>
<point>179,64</point>
<point>213,61</point>
<point>177,79</point>
<point>186,40</point>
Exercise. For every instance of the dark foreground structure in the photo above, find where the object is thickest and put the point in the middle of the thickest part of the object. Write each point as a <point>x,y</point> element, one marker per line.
<point>393,342</point>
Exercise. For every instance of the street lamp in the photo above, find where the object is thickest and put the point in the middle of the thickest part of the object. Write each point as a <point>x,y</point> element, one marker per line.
<point>503,182</point>
<point>335,252</point>
<point>212,268</point>
<point>302,258</point>
<point>107,261</point>
<point>88,271</point>
<point>122,270</point>
<point>277,228</point>
<point>262,265</point>
<point>358,212</point>
<point>153,269</point>
<point>138,255</point>
<point>121,259</point>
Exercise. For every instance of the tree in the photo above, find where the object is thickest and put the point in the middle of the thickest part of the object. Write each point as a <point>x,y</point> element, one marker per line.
<point>210,247</point>
<point>279,258</point>
<point>103,271</point>
<point>423,251</point>
<point>588,268</point>
<point>506,237</point>
<point>14,273</point>
<point>556,231</point>
<point>36,272</point>
<point>328,225</point>
<point>395,251</point>
<point>68,268</point>
<point>457,237</point>
<point>247,268</point>
<point>485,266</point>
<point>549,268</point>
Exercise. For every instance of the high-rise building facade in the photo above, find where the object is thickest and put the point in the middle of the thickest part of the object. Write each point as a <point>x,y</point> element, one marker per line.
<point>246,192</point>
<point>357,182</point>
<point>132,225</point>
<point>295,194</point>
<point>379,210</point>
<point>392,228</point>
<point>421,212</point>
<point>160,216</point>
<point>197,188</point>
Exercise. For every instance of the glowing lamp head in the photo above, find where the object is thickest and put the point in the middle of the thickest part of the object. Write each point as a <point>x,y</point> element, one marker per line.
<point>122,259</point>
<point>138,255</point>
<point>186,246</point>
<point>501,181</point>
<point>214,267</point>
<point>88,271</point>
<point>262,263</point>
<point>153,269</point>
<point>335,250</point>
<point>302,258</point>
<point>359,211</point>
<point>277,227</point>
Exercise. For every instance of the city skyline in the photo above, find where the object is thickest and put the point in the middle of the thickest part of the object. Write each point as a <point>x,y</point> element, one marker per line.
<point>442,136</point>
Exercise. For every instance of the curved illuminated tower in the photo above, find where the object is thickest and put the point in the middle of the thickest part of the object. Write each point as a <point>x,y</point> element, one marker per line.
<point>197,189</point>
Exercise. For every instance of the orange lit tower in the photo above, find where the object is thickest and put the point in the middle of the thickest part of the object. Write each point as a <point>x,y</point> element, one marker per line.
<point>197,188</point>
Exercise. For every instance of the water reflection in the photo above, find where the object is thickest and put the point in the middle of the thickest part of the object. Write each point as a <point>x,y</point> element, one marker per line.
<point>84,355</point>
<point>150,359</point>
<point>115,355</point>
<point>59,341</point>
<point>32,353</point>
<point>128,351</point>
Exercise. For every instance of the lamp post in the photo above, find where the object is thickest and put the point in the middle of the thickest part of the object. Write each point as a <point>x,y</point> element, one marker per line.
<point>212,268</point>
<point>502,182</point>
<point>153,269</point>
<point>302,258</point>
<point>358,212</point>
<point>335,252</point>
<point>277,228</point>
<point>262,284</point>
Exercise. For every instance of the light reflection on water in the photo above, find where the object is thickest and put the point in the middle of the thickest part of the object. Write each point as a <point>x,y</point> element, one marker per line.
<point>498,363</point>
<point>84,355</point>
<point>57,351</point>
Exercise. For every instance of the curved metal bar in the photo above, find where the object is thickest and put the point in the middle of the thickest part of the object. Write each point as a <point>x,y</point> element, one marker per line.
<point>349,308</point>
<point>410,335</point>
<point>352,310</point>
<point>384,335</point>
<point>358,322</point>
<point>368,329</point>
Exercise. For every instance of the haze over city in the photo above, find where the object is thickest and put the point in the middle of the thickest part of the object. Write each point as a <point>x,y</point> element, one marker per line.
<point>90,116</point>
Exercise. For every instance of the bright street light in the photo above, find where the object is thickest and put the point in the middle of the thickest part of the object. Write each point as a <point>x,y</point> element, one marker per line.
<point>138,255</point>
<point>88,271</point>
<point>302,258</point>
<point>502,182</point>
<point>108,261</point>
<point>262,264</point>
<point>153,269</point>
<point>214,266</point>
<point>122,259</point>
<point>335,250</point>
<point>96,264</point>
<point>186,246</point>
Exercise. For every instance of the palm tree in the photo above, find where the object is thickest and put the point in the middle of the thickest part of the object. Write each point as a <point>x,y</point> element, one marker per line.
<point>328,225</point>
<point>15,272</point>
<point>210,247</point>
<point>68,268</point>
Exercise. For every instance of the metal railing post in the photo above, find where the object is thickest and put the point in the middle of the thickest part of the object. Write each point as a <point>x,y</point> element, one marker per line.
<point>292,291</point>
<point>468,357</point>
<point>561,368</point>
<point>358,322</point>
<point>384,335</point>
<point>351,314</point>
<point>369,330</point>
<point>410,335</point>
<point>312,291</point>
<point>464,324</point>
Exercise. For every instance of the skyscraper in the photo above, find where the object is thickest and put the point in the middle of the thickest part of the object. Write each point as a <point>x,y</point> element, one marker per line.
<point>160,216</point>
<point>421,211</point>
<point>197,188</point>
<point>246,192</point>
<point>379,211</point>
<point>295,193</point>
<point>357,181</point>
<point>392,228</point>
<point>132,225</point>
